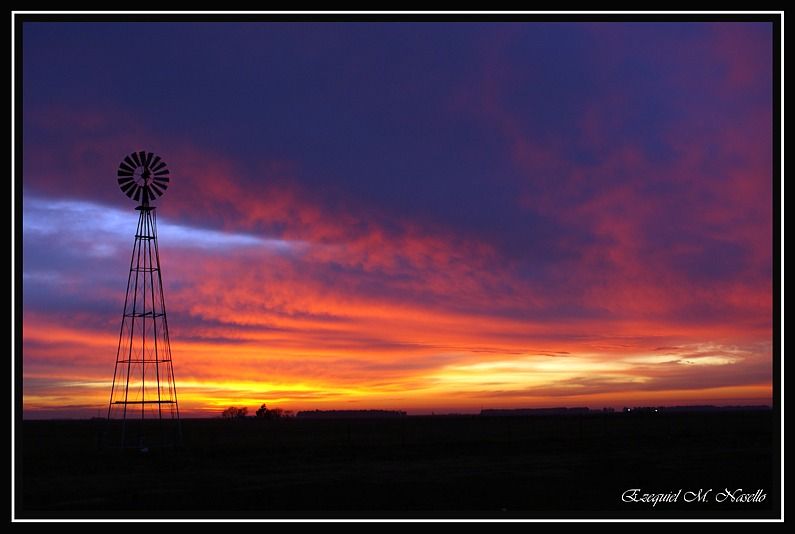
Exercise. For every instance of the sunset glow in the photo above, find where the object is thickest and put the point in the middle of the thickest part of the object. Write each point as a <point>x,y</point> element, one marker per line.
<point>424,217</point>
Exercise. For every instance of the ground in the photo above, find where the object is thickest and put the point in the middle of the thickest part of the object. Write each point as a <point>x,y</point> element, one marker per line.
<point>552,466</point>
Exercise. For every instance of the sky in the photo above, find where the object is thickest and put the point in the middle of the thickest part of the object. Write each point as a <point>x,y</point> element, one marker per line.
<point>431,217</point>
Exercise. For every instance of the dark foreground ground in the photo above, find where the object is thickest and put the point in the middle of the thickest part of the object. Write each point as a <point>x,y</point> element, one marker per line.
<point>414,466</point>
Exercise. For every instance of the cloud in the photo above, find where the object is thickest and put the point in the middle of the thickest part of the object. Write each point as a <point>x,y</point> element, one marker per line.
<point>97,228</point>
<point>476,222</point>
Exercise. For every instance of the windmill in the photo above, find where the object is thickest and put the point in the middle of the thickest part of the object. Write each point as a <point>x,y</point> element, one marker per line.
<point>143,412</point>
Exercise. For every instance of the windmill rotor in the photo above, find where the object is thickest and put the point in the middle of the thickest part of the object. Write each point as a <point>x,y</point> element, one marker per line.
<point>143,176</point>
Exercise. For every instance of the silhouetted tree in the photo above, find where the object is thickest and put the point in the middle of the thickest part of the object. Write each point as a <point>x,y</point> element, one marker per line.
<point>276,413</point>
<point>233,412</point>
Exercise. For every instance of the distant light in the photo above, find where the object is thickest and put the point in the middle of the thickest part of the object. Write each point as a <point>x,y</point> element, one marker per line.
<point>655,409</point>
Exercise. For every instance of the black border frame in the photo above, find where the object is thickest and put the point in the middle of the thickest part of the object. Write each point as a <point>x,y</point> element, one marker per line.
<point>777,180</point>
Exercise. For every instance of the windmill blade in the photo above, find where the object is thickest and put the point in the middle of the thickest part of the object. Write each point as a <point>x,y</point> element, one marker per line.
<point>131,172</point>
<point>123,166</point>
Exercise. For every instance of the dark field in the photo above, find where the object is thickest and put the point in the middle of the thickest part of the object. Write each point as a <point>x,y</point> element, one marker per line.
<point>407,467</point>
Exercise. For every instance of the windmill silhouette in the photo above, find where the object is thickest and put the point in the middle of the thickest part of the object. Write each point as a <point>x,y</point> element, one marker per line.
<point>143,412</point>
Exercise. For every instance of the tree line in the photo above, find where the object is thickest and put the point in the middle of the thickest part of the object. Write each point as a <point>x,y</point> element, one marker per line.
<point>263,412</point>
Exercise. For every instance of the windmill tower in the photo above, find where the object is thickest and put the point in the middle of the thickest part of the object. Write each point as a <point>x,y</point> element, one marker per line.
<point>143,412</point>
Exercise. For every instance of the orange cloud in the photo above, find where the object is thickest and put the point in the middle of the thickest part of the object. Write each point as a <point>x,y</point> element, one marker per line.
<point>364,309</point>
